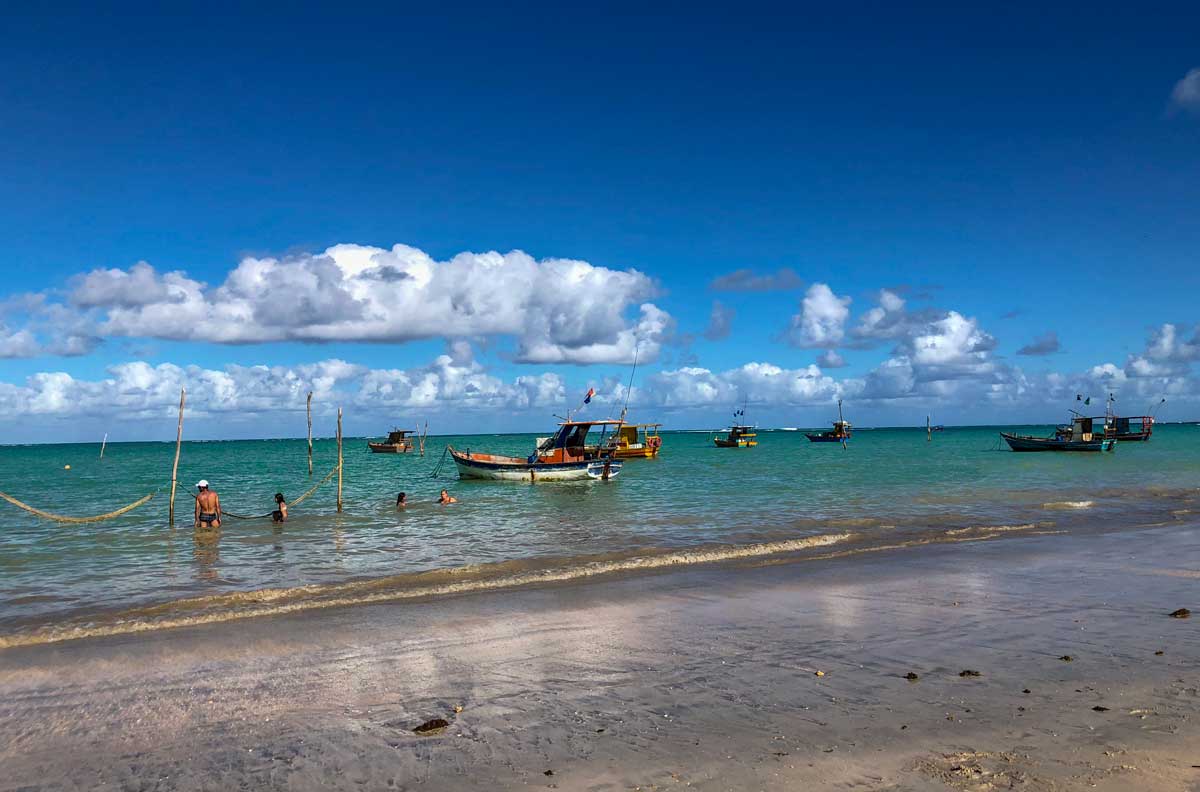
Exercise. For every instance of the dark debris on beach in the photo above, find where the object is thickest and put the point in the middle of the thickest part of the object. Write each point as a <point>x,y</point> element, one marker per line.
<point>435,726</point>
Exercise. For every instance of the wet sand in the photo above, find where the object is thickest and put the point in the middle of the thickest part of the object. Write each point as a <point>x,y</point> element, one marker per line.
<point>705,678</point>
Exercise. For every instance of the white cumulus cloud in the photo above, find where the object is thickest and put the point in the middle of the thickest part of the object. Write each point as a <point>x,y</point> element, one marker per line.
<point>822,318</point>
<point>557,310</point>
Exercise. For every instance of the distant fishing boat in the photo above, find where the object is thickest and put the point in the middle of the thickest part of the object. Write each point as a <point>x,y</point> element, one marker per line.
<point>634,441</point>
<point>563,457</point>
<point>398,442</point>
<point>788,429</point>
<point>738,435</point>
<point>839,434</point>
<point>1078,436</point>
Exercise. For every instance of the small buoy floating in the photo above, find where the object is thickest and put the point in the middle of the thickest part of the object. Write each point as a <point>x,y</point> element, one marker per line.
<point>66,467</point>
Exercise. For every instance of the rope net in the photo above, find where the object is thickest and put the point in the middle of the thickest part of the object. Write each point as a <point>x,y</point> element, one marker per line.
<point>66,519</point>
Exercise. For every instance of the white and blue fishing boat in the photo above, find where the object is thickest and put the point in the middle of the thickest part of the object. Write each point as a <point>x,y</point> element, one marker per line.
<point>566,456</point>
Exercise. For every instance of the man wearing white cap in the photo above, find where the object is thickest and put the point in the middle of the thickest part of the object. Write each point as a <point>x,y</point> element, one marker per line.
<point>208,506</point>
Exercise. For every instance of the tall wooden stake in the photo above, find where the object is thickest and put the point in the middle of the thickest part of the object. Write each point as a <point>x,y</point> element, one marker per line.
<point>103,443</point>
<point>339,439</point>
<point>175,467</point>
<point>310,434</point>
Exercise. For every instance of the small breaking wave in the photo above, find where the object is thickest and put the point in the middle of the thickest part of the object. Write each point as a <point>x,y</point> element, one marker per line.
<point>988,530</point>
<point>1079,504</point>
<point>461,580</point>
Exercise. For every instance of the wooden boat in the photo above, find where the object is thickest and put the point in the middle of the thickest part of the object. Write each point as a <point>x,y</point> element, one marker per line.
<point>633,441</point>
<point>839,434</point>
<point>398,442</point>
<point>1078,436</point>
<point>1029,443</point>
<point>1134,428</point>
<point>563,457</point>
<point>738,436</point>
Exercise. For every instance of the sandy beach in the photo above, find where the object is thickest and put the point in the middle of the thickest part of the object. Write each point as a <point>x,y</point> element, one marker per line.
<point>729,676</point>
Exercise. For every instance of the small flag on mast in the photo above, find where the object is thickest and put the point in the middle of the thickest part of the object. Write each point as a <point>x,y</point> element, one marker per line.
<point>588,398</point>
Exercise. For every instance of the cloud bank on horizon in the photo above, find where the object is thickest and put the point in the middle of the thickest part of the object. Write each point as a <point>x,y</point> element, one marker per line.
<point>556,311</point>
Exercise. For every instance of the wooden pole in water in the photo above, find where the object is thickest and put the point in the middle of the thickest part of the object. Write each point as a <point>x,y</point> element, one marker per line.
<point>339,439</point>
<point>103,443</point>
<point>175,467</point>
<point>928,430</point>
<point>310,434</point>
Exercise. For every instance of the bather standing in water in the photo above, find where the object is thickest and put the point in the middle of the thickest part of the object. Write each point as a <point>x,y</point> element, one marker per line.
<point>446,497</point>
<point>208,506</point>
<point>401,501</point>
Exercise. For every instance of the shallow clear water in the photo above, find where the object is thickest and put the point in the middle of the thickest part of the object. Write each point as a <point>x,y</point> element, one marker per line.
<point>888,482</point>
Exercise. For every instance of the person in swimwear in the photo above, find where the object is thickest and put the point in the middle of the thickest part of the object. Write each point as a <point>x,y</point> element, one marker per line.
<point>446,497</point>
<point>401,501</point>
<point>208,506</point>
<point>280,513</point>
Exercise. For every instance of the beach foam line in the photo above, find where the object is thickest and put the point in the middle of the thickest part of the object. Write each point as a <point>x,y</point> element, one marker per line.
<point>447,582</point>
<point>1080,504</point>
<point>990,529</point>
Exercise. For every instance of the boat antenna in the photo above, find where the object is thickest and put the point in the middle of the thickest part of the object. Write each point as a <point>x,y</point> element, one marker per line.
<point>625,409</point>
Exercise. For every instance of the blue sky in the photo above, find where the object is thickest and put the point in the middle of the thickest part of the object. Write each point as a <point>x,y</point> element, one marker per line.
<point>1028,170</point>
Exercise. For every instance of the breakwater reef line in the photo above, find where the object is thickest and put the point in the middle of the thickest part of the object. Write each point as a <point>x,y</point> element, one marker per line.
<point>853,673</point>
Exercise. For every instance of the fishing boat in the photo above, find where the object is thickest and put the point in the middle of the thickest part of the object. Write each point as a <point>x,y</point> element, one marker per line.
<point>738,436</point>
<point>398,442</point>
<point>1134,428</point>
<point>633,441</point>
<point>565,456</point>
<point>1078,436</point>
<point>840,432</point>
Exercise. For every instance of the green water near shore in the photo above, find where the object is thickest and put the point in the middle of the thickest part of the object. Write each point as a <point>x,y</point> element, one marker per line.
<point>889,482</point>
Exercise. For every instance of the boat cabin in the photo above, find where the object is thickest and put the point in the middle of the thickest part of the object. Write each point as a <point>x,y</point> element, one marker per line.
<point>569,443</point>
<point>1081,430</point>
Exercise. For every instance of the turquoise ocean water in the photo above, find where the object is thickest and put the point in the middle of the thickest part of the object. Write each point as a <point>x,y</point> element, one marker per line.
<point>890,485</point>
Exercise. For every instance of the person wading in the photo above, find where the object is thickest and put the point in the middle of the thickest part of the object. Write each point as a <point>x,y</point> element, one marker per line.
<point>280,513</point>
<point>208,506</point>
